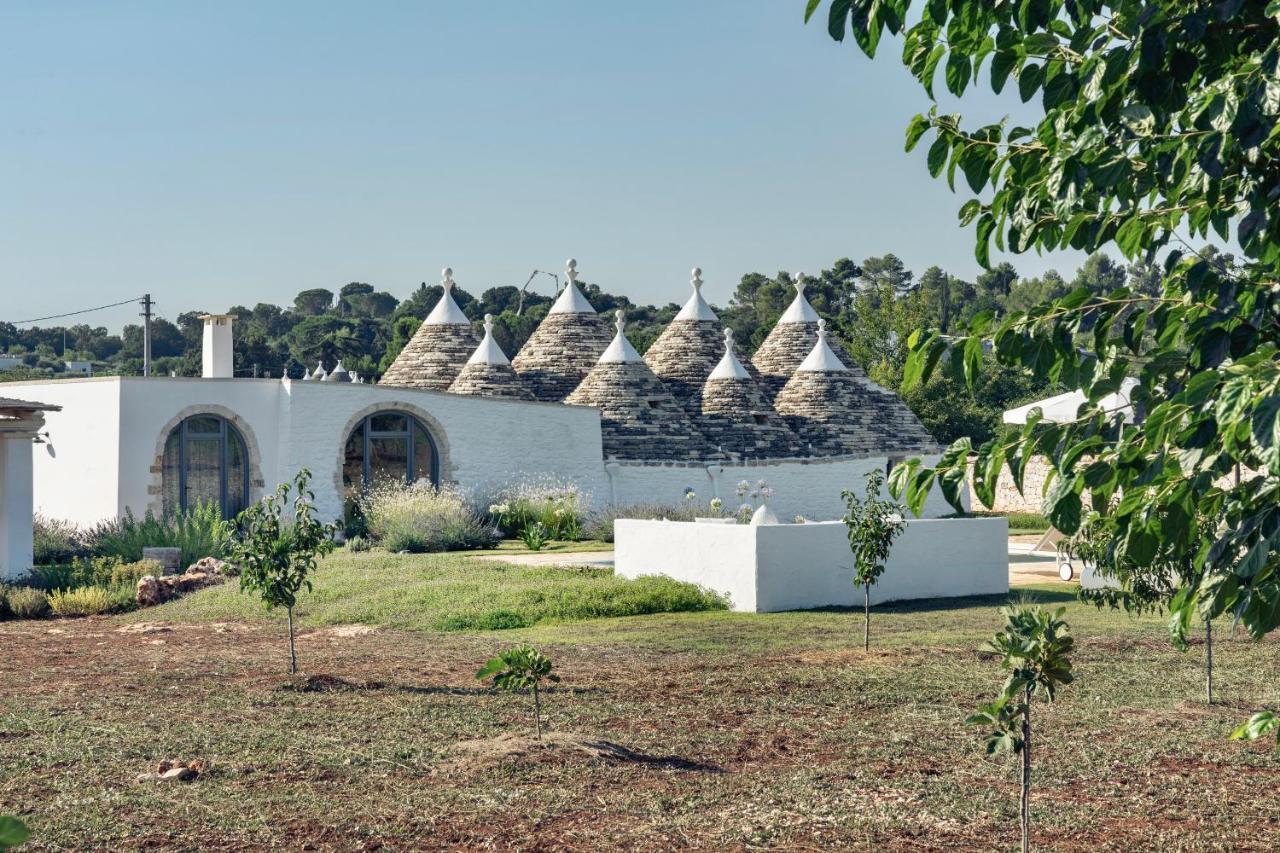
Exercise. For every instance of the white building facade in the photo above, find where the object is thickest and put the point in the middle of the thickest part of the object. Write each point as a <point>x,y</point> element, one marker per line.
<point>117,445</point>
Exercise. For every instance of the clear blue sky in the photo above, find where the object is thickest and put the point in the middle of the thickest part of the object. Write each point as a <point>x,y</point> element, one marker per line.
<point>231,153</point>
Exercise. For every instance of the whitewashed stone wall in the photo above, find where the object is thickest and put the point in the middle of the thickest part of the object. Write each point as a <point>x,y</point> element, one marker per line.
<point>107,440</point>
<point>106,445</point>
<point>767,568</point>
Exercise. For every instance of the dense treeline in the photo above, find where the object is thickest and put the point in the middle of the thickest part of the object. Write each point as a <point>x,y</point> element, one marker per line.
<point>873,306</point>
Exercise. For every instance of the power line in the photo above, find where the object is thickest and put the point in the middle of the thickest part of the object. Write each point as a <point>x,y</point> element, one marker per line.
<point>74,313</point>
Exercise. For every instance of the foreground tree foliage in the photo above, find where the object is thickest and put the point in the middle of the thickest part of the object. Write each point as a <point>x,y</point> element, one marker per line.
<point>1159,123</point>
<point>872,524</point>
<point>278,549</point>
<point>520,668</point>
<point>1035,647</point>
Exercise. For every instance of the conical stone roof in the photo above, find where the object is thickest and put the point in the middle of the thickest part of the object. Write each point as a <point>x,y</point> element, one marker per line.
<point>788,343</point>
<point>835,411</point>
<point>639,417</point>
<point>488,372</point>
<point>688,349</point>
<point>565,346</point>
<point>735,415</point>
<point>434,357</point>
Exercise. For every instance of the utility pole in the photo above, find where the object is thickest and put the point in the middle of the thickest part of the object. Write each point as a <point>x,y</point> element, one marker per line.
<point>146,334</point>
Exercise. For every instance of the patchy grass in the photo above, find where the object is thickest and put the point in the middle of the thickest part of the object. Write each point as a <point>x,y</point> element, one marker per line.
<point>448,592</point>
<point>732,731</point>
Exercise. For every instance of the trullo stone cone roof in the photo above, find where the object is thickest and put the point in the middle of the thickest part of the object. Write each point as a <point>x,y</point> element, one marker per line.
<point>565,346</point>
<point>835,411</point>
<point>735,415</point>
<point>434,357</point>
<point>639,417</point>
<point>488,372</point>
<point>790,340</point>
<point>688,349</point>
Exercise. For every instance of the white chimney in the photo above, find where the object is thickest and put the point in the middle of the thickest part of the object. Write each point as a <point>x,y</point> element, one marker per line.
<point>218,362</point>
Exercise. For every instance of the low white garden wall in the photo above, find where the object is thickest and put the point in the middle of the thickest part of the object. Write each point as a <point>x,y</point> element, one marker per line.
<point>769,568</point>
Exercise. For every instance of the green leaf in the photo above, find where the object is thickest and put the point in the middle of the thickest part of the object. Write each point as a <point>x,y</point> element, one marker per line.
<point>959,68</point>
<point>838,18</point>
<point>1254,560</point>
<point>810,8</point>
<point>972,361</point>
<point>1029,80</point>
<point>937,157</point>
<point>982,251</point>
<point>13,832</point>
<point>915,130</point>
<point>1062,506</point>
<point>931,68</point>
<point>1139,119</point>
<point>1259,725</point>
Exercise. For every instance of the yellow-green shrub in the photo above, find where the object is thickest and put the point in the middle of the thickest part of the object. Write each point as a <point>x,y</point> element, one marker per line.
<point>82,601</point>
<point>27,603</point>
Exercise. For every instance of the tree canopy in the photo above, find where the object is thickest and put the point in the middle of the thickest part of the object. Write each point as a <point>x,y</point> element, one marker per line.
<point>1159,127</point>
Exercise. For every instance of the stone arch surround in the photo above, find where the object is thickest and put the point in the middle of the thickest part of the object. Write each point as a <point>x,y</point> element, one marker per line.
<point>155,490</point>
<point>433,426</point>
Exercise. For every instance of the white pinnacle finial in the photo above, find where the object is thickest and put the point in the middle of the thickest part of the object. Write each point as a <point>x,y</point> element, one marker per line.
<point>447,311</point>
<point>620,349</point>
<point>696,308</point>
<point>729,366</point>
<point>488,352</point>
<point>799,311</point>
<point>571,270</point>
<point>822,358</point>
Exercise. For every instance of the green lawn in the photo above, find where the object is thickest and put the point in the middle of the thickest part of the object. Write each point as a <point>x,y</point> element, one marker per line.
<point>515,546</point>
<point>448,592</point>
<point>750,731</point>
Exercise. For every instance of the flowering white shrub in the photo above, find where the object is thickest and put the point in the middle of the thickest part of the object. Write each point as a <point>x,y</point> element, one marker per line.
<point>420,517</point>
<point>560,506</point>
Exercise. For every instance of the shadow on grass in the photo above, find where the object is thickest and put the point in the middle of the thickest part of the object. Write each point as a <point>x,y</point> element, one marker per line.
<point>1032,594</point>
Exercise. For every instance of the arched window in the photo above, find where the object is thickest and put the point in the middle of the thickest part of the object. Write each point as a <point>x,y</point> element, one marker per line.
<point>388,447</point>
<point>205,461</point>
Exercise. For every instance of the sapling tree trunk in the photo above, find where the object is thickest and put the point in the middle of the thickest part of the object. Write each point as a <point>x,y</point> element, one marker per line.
<point>866,617</point>
<point>537,712</point>
<point>293,653</point>
<point>1026,775</point>
<point>1208,661</point>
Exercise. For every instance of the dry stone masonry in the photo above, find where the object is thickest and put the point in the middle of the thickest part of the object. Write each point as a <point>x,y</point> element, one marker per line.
<point>639,417</point>
<point>690,399</point>
<point>565,346</point>
<point>438,350</point>
<point>736,417</point>
<point>834,411</point>
<point>789,342</point>
<point>488,373</point>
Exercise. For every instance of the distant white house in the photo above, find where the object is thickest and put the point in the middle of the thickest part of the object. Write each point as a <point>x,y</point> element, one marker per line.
<point>1066,407</point>
<point>79,368</point>
<point>10,362</point>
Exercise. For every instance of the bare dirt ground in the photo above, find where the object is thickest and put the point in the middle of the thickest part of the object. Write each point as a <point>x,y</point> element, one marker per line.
<point>711,731</point>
